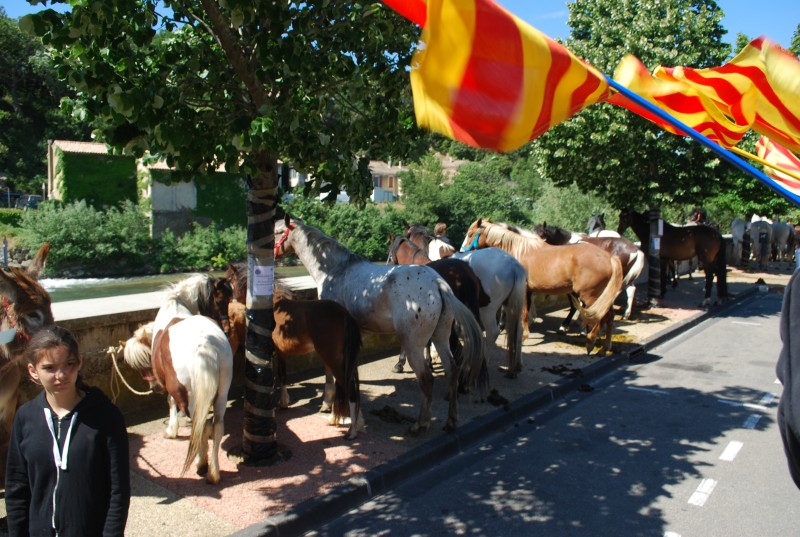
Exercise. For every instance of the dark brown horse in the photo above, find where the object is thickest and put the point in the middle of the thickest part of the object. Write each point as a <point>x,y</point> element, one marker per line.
<point>302,327</point>
<point>590,276</point>
<point>632,258</point>
<point>26,310</point>
<point>679,243</point>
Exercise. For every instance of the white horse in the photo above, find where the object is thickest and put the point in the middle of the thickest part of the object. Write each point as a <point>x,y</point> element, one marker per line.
<point>761,239</point>
<point>738,229</point>
<point>782,232</point>
<point>504,279</point>
<point>412,301</point>
<point>187,354</point>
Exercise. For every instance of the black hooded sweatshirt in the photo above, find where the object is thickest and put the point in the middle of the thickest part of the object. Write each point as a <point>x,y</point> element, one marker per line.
<point>788,371</point>
<point>81,489</point>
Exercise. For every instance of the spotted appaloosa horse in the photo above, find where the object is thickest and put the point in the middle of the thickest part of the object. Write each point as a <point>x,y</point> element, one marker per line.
<point>26,310</point>
<point>412,301</point>
<point>188,355</point>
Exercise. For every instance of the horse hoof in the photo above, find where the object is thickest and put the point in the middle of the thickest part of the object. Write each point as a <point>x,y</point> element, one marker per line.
<point>398,368</point>
<point>562,330</point>
<point>449,427</point>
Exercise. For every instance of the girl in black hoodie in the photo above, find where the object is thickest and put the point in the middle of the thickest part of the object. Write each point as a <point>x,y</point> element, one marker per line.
<point>68,469</point>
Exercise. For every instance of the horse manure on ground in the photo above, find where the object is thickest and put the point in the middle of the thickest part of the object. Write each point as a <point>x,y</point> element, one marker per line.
<point>390,415</point>
<point>563,370</point>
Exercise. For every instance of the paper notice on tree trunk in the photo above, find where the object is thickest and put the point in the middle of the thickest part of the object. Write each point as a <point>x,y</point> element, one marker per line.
<point>263,280</point>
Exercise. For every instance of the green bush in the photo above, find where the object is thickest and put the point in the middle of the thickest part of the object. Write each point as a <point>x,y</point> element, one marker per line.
<point>10,217</point>
<point>88,241</point>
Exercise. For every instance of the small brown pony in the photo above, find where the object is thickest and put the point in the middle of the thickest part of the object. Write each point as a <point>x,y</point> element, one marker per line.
<point>26,310</point>
<point>590,276</point>
<point>679,243</point>
<point>302,327</point>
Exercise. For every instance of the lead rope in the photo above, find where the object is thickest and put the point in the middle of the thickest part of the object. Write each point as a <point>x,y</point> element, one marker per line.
<point>114,382</point>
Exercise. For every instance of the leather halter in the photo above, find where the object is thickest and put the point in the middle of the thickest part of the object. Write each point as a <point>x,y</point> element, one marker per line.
<point>283,238</point>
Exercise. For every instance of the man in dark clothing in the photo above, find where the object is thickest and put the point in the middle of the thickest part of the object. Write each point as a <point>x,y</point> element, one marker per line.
<point>788,371</point>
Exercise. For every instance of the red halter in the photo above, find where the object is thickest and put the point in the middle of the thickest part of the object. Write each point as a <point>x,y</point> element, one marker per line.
<point>12,321</point>
<point>283,238</point>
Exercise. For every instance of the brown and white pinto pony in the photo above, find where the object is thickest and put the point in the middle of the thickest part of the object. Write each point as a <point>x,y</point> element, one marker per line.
<point>187,354</point>
<point>26,310</point>
<point>590,276</point>
<point>302,327</point>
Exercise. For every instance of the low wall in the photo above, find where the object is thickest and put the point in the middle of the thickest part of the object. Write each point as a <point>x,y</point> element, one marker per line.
<point>98,331</point>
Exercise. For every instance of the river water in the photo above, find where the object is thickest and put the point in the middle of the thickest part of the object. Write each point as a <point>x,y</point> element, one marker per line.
<point>64,289</point>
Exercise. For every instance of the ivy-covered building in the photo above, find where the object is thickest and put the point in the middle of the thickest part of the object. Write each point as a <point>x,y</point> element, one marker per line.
<point>88,171</point>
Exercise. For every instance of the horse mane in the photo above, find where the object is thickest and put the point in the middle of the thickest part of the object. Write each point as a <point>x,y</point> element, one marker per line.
<point>236,274</point>
<point>511,239</point>
<point>281,290</point>
<point>398,240</point>
<point>195,293</point>
<point>137,351</point>
<point>325,243</point>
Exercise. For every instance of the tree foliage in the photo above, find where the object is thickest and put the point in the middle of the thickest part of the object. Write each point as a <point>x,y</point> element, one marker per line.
<point>29,108</point>
<point>319,84</point>
<point>617,154</point>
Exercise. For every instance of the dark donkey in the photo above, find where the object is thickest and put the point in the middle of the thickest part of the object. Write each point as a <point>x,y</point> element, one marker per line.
<point>680,243</point>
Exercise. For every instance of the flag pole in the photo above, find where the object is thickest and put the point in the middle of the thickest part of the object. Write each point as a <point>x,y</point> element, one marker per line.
<point>705,141</point>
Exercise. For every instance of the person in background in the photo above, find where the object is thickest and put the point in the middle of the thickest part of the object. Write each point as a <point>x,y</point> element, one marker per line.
<point>68,470</point>
<point>788,371</point>
<point>440,232</point>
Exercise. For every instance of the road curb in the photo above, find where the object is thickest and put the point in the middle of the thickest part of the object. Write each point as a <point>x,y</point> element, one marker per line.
<point>314,512</point>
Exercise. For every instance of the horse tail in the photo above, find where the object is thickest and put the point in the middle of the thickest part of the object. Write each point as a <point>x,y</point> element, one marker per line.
<point>595,313</point>
<point>347,389</point>
<point>205,386</point>
<point>514,305</point>
<point>473,371</point>
<point>635,269</point>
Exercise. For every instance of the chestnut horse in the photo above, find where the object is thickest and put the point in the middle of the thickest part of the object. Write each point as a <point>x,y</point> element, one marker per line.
<point>679,243</point>
<point>302,327</point>
<point>632,258</point>
<point>590,276</point>
<point>187,354</point>
<point>26,310</point>
<point>412,301</point>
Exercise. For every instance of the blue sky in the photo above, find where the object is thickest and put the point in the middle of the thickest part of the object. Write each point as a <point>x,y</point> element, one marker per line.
<point>776,19</point>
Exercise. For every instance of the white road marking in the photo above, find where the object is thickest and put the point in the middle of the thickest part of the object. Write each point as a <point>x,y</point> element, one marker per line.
<point>672,534</point>
<point>651,390</point>
<point>767,398</point>
<point>745,323</point>
<point>704,490</point>
<point>778,381</point>
<point>752,421</point>
<point>731,451</point>
<point>746,405</point>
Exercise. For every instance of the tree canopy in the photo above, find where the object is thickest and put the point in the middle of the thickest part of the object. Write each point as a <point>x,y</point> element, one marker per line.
<point>205,84</point>
<point>609,150</point>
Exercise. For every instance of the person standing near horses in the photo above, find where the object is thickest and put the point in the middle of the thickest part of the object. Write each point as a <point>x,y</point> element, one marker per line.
<point>68,469</point>
<point>788,371</point>
<point>440,232</point>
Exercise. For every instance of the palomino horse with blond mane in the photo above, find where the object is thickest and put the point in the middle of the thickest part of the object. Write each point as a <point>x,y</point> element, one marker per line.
<point>186,353</point>
<point>26,310</point>
<point>412,301</point>
<point>302,327</point>
<point>589,275</point>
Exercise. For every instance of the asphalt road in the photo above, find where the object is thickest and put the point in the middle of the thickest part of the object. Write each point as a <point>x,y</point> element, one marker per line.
<point>682,444</point>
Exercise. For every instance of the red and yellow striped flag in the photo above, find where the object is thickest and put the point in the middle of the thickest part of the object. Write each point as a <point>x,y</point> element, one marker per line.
<point>486,78</point>
<point>759,89</point>
<point>784,161</point>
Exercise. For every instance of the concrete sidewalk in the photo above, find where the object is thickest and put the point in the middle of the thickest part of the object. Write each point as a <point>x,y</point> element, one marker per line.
<point>325,475</point>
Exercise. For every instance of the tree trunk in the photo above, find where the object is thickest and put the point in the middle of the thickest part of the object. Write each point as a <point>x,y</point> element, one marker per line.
<point>259,438</point>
